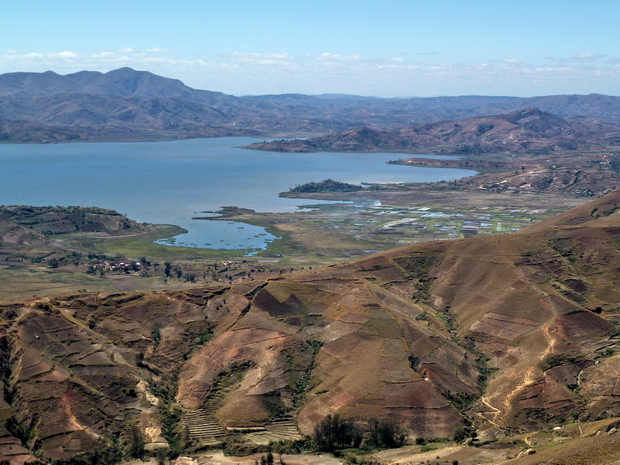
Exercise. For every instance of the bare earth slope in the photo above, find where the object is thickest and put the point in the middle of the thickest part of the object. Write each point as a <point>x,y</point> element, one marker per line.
<point>503,334</point>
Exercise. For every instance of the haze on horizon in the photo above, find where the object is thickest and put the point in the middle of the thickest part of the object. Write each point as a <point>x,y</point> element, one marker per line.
<point>389,48</point>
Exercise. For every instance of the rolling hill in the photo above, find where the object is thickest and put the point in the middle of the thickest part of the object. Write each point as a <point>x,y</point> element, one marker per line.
<point>520,131</point>
<point>496,335</point>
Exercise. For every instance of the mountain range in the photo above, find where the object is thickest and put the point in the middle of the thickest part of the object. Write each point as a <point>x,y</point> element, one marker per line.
<point>125,104</point>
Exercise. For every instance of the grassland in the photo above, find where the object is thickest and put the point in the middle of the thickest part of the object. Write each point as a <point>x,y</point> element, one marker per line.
<point>352,225</point>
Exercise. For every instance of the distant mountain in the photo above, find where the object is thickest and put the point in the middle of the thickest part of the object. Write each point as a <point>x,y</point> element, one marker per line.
<point>123,81</point>
<point>126,101</point>
<point>122,104</point>
<point>436,108</point>
<point>521,130</point>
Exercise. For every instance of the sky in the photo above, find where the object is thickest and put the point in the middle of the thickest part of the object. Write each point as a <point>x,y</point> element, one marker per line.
<point>383,48</point>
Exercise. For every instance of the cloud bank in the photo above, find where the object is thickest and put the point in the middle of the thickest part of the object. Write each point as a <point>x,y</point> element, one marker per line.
<point>242,73</point>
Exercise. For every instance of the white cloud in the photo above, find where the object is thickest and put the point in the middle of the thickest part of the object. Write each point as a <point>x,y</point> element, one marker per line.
<point>263,73</point>
<point>64,55</point>
<point>586,58</point>
<point>243,57</point>
<point>104,55</point>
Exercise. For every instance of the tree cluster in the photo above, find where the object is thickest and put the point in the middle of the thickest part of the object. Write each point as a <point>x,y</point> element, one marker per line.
<point>329,185</point>
<point>336,433</point>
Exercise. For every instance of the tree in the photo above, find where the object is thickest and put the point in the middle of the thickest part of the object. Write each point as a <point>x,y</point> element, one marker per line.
<point>160,455</point>
<point>156,335</point>
<point>136,444</point>
<point>280,449</point>
<point>185,437</point>
<point>390,434</point>
<point>387,434</point>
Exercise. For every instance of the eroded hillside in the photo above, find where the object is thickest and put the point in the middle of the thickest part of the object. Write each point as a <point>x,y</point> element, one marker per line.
<point>500,334</point>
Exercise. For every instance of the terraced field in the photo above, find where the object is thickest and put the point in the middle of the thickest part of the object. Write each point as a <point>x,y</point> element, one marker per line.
<point>281,429</point>
<point>203,427</point>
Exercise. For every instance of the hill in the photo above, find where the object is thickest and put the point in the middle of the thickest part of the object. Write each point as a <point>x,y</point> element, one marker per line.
<point>33,226</point>
<point>496,335</point>
<point>126,104</point>
<point>528,130</point>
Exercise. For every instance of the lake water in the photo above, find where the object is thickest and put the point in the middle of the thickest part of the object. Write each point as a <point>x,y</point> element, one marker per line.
<point>171,182</point>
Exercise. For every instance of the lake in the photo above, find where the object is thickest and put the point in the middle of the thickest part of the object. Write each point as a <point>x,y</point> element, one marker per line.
<point>171,182</point>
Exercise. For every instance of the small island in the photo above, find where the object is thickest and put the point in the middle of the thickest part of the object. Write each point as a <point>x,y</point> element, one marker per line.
<point>327,186</point>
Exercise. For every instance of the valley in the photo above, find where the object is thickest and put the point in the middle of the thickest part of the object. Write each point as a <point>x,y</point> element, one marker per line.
<point>469,320</point>
<point>67,257</point>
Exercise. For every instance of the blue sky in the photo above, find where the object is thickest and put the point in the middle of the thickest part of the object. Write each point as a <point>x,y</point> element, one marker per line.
<point>387,48</point>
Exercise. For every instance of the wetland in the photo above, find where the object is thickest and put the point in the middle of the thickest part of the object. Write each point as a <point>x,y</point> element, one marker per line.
<point>233,215</point>
<point>172,182</point>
